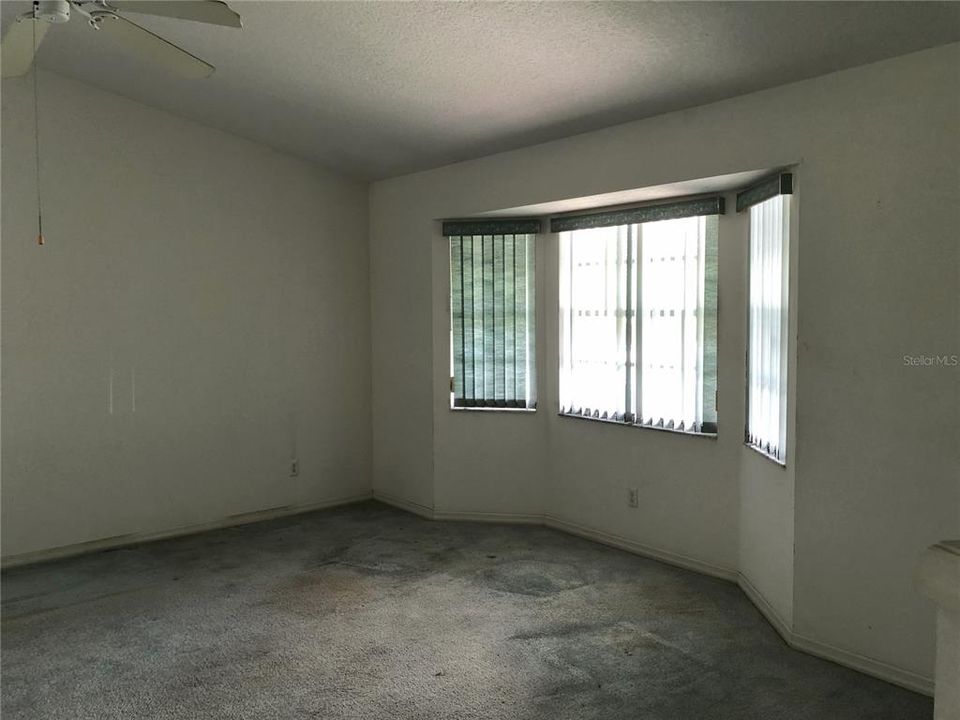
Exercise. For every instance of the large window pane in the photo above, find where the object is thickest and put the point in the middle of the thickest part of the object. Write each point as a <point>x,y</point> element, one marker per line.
<point>672,273</point>
<point>644,291</point>
<point>595,352</point>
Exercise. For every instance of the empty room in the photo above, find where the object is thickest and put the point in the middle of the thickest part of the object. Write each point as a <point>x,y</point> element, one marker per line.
<point>479,360</point>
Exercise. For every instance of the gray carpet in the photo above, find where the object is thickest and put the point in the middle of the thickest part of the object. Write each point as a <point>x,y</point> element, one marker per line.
<point>368,612</point>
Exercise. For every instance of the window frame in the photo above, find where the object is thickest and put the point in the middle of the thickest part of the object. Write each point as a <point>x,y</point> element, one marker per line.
<point>530,230</point>
<point>634,379</point>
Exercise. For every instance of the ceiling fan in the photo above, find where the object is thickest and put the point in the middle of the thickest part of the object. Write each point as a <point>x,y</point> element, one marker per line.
<point>108,18</point>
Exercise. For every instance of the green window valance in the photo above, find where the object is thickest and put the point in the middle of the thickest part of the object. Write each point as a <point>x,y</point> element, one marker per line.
<point>779,184</point>
<point>669,210</point>
<point>492,226</point>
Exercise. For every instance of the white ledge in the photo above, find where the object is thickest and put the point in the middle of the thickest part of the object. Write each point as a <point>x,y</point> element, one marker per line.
<point>938,575</point>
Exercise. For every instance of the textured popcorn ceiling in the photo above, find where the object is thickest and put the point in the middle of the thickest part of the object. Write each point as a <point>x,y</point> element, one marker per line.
<point>376,89</point>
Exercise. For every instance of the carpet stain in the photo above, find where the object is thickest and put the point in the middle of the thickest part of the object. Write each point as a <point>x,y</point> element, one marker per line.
<point>535,578</point>
<point>325,590</point>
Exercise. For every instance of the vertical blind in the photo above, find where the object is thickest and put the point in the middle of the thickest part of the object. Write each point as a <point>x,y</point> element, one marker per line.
<point>638,322</point>
<point>492,320</point>
<point>597,322</point>
<point>767,351</point>
<point>676,342</point>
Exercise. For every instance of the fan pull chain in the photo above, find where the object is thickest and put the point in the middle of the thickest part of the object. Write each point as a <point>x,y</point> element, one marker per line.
<point>36,133</point>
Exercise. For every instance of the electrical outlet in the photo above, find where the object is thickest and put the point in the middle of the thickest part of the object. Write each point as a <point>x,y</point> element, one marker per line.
<point>294,467</point>
<point>634,498</point>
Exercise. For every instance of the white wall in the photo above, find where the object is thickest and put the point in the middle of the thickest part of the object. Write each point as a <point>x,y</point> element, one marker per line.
<point>232,280</point>
<point>878,442</point>
<point>402,366</point>
<point>875,449</point>
<point>485,461</point>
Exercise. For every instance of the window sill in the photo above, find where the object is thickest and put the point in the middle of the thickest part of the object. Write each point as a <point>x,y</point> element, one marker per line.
<point>709,436</point>
<point>763,453</point>
<point>492,410</point>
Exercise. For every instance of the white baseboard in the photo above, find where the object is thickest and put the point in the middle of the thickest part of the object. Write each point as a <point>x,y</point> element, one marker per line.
<point>488,517</point>
<point>117,541</point>
<point>398,502</point>
<point>868,666</point>
<point>769,613</point>
<point>622,543</point>
<point>456,515</point>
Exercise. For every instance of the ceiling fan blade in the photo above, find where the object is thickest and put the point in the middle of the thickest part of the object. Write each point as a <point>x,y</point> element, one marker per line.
<point>18,47</point>
<point>205,11</point>
<point>153,47</point>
